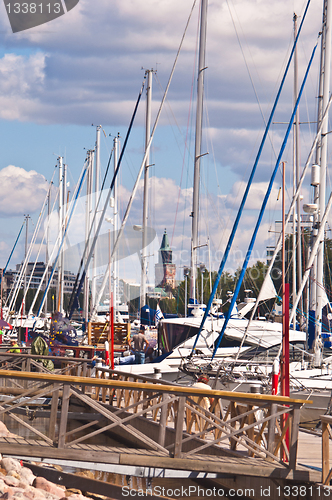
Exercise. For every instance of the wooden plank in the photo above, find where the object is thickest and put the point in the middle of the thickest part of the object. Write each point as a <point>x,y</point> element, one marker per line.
<point>179,427</point>
<point>59,453</point>
<point>64,416</point>
<point>222,467</point>
<point>294,438</point>
<point>256,399</point>
<point>54,412</point>
<point>325,451</point>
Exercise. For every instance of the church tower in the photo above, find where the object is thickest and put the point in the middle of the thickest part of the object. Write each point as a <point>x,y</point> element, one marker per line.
<point>165,269</point>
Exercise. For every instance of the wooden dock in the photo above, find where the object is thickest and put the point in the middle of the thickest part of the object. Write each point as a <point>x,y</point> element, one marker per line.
<point>153,429</point>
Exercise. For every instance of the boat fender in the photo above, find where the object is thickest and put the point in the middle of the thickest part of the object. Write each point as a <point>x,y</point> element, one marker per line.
<point>275,376</point>
<point>107,353</point>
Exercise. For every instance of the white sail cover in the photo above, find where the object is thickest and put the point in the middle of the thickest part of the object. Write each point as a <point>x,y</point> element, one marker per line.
<point>268,290</point>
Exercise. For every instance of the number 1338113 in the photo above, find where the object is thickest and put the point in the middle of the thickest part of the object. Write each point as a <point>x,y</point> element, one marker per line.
<point>33,8</point>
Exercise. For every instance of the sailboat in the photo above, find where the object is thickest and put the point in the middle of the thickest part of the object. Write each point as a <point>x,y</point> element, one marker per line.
<point>177,336</point>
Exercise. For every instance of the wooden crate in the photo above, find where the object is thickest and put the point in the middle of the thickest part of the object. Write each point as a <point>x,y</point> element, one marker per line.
<point>99,333</point>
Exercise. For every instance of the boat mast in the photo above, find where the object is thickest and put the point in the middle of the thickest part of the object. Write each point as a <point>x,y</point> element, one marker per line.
<point>96,193</point>
<point>297,173</point>
<point>115,225</point>
<point>315,180</point>
<point>144,271</point>
<point>198,142</point>
<point>62,198</point>
<point>87,230</point>
<point>323,164</point>
<point>46,248</point>
<point>27,217</point>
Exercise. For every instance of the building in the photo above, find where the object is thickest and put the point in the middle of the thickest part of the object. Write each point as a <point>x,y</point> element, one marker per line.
<point>36,275</point>
<point>165,269</point>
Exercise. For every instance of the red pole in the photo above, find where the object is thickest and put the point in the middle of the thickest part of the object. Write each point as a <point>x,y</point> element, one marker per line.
<point>112,333</point>
<point>285,318</point>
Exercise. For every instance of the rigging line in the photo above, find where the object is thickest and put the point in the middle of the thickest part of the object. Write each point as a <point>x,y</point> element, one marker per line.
<point>29,251</point>
<point>12,251</point>
<point>101,219</point>
<point>47,263</point>
<point>236,223</point>
<point>187,128</point>
<point>72,297</point>
<point>245,263</point>
<point>40,246</point>
<point>72,209</point>
<point>126,215</point>
<point>57,241</point>
<point>250,77</point>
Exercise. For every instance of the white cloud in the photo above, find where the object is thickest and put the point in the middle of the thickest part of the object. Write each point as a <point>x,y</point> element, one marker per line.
<point>21,191</point>
<point>21,82</point>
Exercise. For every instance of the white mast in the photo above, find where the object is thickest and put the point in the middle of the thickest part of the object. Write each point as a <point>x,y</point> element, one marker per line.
<point>115,225</point>
<point>62,205</point>
<point>149,73</point>
<point>297,170</point>
<point>96,194</point>
<point>315,180</point>
<point>87,230</point>
<point>323,164</point>
<point>27,217</point>
<point>198,142</point>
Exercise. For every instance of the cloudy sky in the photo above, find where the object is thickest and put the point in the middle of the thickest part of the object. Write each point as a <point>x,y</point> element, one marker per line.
<point>87,67</point>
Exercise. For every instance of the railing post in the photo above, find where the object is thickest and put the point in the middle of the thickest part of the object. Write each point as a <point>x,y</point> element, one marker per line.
<point>163,420</point>
<point>64,416</point>
<point>325,451</point>
<point>271,430</point>
<point>294,438</point>
<point>179,427</point>
<point>54,412</point>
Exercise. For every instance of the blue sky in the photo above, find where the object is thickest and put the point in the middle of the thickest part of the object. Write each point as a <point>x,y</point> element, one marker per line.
<point>86,68</point>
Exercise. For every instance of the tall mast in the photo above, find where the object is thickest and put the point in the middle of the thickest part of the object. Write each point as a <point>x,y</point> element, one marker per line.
<point>87,230</point>
<point>315,180</point>
<point>27,217</point>
<point>62,205</point>
<point>297,169</point>
<point>95,201</point>
<point>323,163</point>
<point>198,142</point>
<point>115,224</point>
<point>149,73</point>
<point>46,249</point>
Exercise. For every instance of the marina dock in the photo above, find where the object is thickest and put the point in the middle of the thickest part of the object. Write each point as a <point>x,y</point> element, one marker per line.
<point>154,432</point>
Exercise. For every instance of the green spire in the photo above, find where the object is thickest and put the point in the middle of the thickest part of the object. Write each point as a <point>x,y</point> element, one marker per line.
<point>165,243</point>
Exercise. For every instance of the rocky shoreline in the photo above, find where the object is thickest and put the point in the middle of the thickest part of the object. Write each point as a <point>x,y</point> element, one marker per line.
<point>19,482</point>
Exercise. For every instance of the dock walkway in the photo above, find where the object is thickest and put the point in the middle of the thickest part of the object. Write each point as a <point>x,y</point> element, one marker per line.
<point>150,427</point>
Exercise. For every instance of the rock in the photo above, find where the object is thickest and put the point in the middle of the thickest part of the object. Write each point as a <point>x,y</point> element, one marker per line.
<point>31,493</point>
<point>27,476</point>
<point>11,481</point>
<point>43,484</point>
<point>7,494</point>
<point>18,493</point>
<point>3,487</point>
<point>3,430</point>
<point>11,464</point>
<point>13,473</point>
